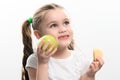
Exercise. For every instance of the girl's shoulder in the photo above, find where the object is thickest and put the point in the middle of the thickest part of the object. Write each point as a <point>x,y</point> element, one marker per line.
<point>33,55</point>
<point>32,61</point>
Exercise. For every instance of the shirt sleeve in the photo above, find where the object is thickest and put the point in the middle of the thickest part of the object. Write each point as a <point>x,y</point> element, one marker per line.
<point>32,61</point>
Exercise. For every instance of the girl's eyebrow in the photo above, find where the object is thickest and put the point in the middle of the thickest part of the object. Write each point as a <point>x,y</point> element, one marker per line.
<point>54,21</point>
<point>67,18</point>
<point>50,22</point>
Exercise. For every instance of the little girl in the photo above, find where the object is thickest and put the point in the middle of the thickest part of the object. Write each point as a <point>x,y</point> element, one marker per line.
<point>62,63</point>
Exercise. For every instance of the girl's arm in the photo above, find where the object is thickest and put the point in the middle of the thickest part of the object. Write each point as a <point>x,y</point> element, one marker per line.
<point>31,73</point>
<point>42,71</point>
<point>86,77</point>
<point>94,67</point>
<point>43,59</point>
<point>40,74</point>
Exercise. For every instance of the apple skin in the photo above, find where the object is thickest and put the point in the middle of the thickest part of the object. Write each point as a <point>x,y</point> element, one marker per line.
<point>49,38</point>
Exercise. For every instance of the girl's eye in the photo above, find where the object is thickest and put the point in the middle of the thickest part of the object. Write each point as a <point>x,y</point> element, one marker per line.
<point>53,26</point>
<point>66,23</point>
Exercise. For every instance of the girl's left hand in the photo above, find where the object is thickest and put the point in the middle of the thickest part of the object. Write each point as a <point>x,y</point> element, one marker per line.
<point>95,66</point>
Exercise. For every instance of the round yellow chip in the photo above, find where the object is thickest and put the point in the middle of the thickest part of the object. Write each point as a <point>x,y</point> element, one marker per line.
<point>97,53</point>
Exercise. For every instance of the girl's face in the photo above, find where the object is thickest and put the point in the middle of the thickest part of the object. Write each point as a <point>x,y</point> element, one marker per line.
<point>57,23</point>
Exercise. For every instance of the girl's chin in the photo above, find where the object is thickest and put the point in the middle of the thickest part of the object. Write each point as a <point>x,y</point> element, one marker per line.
<point>64,44</point>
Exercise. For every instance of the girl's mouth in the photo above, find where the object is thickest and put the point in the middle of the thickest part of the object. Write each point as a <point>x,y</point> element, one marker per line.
<point>63,37</point>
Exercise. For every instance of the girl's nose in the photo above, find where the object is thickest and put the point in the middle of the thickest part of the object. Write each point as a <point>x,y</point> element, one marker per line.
<point>62,29</point>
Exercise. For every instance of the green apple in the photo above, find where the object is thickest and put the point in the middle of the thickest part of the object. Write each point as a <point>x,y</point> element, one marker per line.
<point>49,38</point>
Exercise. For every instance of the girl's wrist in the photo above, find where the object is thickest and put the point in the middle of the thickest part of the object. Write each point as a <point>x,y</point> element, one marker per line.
<point>87,77</point>
<point>90,76</point>
<point>43,61</point>
<point>42,65</point>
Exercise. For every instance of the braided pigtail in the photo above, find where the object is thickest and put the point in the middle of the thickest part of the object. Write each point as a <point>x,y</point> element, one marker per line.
<point>27,49</point>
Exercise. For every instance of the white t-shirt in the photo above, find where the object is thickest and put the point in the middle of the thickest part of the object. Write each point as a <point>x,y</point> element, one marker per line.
<point>70,68</point>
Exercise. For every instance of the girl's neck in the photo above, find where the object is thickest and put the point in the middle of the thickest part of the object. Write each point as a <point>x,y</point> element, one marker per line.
<point>62,53</point>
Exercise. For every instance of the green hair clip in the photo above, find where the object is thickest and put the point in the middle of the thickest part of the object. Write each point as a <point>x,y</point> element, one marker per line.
<point>30,20</point>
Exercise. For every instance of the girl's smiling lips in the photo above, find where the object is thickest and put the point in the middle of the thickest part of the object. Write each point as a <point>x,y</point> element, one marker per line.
<point>63,37</point>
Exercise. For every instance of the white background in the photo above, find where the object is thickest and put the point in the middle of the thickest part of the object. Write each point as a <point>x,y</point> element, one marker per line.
<point>96,23</point>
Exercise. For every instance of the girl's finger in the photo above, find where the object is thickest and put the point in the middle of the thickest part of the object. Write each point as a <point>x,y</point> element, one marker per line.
<point>95,66</point>
<point>100,60</point>
<point>50,50</point>
<point>53,51</point>
<point>45,46</point>
<point>40,45</point>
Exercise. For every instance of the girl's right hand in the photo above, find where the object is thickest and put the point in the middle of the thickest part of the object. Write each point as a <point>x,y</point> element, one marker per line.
<point>43,54</point>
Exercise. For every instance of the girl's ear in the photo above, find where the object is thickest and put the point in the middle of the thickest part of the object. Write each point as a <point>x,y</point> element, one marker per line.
<point>37,34</point>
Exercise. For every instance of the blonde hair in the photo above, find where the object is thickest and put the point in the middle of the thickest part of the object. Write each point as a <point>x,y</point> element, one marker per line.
<point>26,34</point>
